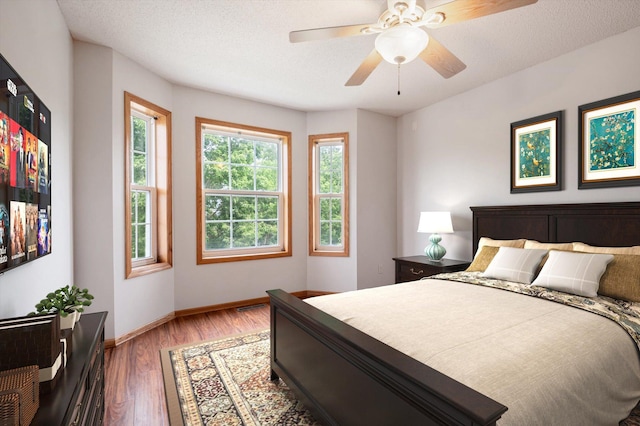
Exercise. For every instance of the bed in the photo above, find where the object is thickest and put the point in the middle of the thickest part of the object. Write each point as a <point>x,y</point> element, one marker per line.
<point>345,376</point>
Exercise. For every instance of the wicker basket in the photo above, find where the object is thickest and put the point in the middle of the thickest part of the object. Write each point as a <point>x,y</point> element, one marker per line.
<point>19,395</point>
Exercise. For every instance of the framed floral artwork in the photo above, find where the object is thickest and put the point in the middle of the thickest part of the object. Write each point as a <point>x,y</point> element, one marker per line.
<point>536,150</point>
<point>609,142</point>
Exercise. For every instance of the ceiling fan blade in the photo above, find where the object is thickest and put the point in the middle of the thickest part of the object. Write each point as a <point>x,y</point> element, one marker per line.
<point>441,59</point>
<point>464,10</point>
<point>328,32</point>
<point>366,67</point>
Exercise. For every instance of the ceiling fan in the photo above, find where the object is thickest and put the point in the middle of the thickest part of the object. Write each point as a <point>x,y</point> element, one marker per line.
<point>401,37</point>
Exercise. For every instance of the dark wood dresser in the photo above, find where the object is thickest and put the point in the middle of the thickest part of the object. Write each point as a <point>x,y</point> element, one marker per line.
<point>413,268</point>
<point>78,397</point>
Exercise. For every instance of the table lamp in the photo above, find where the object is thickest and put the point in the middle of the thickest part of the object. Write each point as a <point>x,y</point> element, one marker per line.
<point>435,223</point>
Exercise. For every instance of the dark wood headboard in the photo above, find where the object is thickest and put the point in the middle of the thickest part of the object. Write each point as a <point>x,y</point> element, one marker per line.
<point>598,224</point>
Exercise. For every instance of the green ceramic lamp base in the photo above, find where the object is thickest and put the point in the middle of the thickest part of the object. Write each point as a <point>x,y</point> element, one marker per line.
<point>435,251</point>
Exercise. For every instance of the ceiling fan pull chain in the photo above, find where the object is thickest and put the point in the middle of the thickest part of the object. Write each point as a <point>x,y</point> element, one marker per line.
<point>398,79</point>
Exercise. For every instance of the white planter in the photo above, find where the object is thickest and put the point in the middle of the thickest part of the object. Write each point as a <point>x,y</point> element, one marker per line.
<point>69,321</point>
<point>77,312</point>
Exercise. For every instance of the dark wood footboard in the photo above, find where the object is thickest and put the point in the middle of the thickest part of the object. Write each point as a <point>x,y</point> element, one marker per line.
<point>346,377</point>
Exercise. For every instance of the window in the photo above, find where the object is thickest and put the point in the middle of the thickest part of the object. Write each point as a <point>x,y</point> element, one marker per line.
<point>148,187</point>
<point>329,195</point>
<point>243,187</point>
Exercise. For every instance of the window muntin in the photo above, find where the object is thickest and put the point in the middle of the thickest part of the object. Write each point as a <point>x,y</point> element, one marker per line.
<point>328,189</point>
<point>243,184</point>
<point>148,187</point>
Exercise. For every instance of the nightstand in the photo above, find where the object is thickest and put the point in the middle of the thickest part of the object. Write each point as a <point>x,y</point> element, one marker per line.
<point>415,267</point>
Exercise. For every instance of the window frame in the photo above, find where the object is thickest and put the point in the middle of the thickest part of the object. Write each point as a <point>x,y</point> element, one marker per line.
<point>158,185</point>
<point>149,188</point>
<point>283,249</point>
<point>315,142</point>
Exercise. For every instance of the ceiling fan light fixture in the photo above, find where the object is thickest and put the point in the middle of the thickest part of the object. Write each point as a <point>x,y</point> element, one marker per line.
<point>401,44</point>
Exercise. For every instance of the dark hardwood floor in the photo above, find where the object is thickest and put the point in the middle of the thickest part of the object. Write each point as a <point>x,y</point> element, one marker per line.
<point>134,391</point>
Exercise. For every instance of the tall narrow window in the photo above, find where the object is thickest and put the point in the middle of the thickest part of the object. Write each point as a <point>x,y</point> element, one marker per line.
<point>148,188</point>
<point>243,187</point>
<point>143,190</point>
<point>329,195</point>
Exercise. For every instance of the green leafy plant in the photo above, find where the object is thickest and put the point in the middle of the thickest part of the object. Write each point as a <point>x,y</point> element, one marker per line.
<point>64,300</point>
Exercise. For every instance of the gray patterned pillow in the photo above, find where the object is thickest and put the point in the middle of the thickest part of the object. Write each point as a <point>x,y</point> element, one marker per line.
<point>515,264</point>
<point>575,273</point>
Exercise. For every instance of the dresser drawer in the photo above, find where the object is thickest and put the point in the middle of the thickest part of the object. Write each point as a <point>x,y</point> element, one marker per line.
<point>78,398</point>
<point>416,267</point>
<point>413,271</point>
<point>79,407</point>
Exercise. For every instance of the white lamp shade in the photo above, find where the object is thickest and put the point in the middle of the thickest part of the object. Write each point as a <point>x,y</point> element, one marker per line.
<point>435,222</point>
<point>401,44</point>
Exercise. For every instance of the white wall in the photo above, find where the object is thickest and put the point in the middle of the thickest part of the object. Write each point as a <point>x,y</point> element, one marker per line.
<point>372,202</point>
<point>451,155</point>
<point>212,284</point>
<point>376,217</point>
<point>153,291</point>
<point>35,41</point>
<point>102,77</point>
<point>93,184</point>
<point>455,154</point>
<point>334,274</point>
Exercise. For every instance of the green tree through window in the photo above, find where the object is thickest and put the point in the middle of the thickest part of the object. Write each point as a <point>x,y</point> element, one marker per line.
<point>328,190</point>
<point>148,187</point>
<point>243,186</point>
<point>142,187</point>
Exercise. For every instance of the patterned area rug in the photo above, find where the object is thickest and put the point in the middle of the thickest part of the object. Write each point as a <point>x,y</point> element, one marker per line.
<point>226,382</point>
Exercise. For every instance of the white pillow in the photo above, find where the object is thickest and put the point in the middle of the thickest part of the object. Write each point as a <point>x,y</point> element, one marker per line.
<point>515,264</point>
<point>533,244</point>
<point>486,241</point>
<point>607,250</point>
<point>575,273</point>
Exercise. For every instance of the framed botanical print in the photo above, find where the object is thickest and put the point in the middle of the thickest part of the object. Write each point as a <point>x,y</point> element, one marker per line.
<point>536,154</point>
<point>609,142</point>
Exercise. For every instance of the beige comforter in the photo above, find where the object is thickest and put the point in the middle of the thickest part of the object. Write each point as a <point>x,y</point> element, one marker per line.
<point>550,364</point>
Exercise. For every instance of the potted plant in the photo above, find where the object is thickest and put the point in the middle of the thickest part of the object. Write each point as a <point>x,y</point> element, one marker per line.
<point>78,298</point>
<point>68,301</point>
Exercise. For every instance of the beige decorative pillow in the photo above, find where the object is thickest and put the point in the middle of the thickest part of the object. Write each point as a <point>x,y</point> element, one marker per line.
<point>515,264</point>
<point>608,250</point>
<point>575,273</point>
<point>532,244</point>
<point>621,280</point>
<point>486,241</point>
<point>483,259</point>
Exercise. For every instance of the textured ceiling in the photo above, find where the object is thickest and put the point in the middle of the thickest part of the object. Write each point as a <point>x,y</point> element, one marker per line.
<point>241,47</point>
